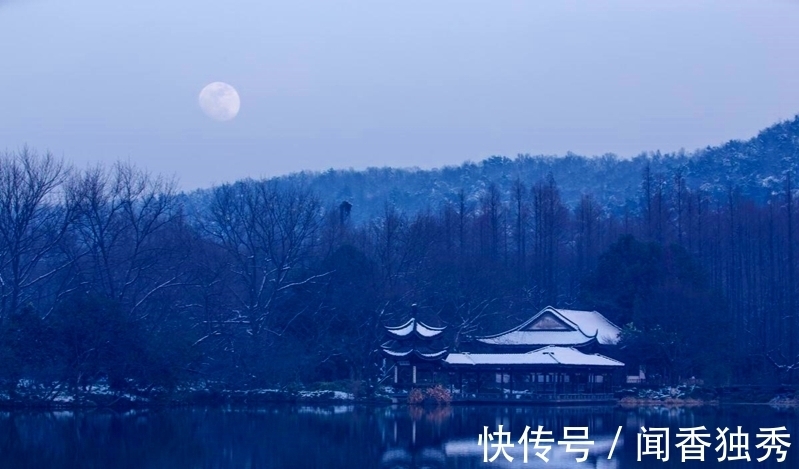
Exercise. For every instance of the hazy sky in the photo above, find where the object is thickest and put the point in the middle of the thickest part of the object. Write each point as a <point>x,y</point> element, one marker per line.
<point>401,83</point>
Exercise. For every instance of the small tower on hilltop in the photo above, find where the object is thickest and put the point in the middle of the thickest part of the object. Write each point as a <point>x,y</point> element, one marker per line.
<point>344,211</point>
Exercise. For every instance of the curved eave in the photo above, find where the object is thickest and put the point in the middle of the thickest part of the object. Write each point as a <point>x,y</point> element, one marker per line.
<point>427,332</point>
<point>489,341</point>
<point>431,356</point>
<point>607,338</point>
<point>403,330</point>
<point>397,354</point>
<point>413,325</point>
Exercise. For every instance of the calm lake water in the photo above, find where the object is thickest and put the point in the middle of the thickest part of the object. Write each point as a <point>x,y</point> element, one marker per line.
<point>356,437</point>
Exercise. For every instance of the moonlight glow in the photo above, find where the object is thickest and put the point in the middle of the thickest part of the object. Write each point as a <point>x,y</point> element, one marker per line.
<point>220,101</point>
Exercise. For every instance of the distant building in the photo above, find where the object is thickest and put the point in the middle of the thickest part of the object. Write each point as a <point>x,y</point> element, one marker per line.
<point>553,356</point>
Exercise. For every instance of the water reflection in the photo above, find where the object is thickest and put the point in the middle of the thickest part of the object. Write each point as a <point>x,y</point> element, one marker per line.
<point>353,436</point>
<point>454,443</point>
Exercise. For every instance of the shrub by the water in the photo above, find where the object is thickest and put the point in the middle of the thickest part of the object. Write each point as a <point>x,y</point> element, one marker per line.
<point>439,395</point>
<point>415,397</point>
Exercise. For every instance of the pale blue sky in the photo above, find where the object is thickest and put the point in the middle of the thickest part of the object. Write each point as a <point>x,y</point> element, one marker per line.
<point>401,83</point>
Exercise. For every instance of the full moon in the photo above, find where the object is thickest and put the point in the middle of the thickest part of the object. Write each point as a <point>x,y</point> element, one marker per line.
<point>220,101</point>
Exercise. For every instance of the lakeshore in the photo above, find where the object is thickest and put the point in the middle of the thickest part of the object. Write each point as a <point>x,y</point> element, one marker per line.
<point>102,397</point>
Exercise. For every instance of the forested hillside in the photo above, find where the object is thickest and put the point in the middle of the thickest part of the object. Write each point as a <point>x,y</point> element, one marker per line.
<point>754,167</point>
<point>110,275</point>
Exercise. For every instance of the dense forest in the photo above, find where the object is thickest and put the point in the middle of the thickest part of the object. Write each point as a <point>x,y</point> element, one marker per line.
<point>110,275</point>
<point>755,167</point>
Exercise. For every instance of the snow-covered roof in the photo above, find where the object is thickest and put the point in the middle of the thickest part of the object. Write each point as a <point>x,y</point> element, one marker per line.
<point>536,338</point>
<point>592,323</point>
<point>552,326</point>
<point>428,331</point>
<point>413,325</point>
<point>423,353</point>
<point>551,355</point>
<point>403,330</point>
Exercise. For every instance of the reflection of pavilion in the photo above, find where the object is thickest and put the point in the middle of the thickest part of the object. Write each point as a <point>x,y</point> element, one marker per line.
<point>416,437</point>
<point>552,357</point>
<point>402,458</point>
<point>406,450</point>
<point>557,455</point>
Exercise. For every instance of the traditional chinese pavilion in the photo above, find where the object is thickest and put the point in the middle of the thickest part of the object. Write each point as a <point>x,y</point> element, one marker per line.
<point>553,356</point>
<point>417,350</point>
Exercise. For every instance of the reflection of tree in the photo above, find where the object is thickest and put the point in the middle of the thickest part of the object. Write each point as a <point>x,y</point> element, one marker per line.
<point>416,412</point>
<point>435,415</point>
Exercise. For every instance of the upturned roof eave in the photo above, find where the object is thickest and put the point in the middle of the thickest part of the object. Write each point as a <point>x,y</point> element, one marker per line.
<point>526,323</point>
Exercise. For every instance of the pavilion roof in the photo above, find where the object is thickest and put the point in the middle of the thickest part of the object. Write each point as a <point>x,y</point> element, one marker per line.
<point>552,326</point>
<point>396,350</point>
<point>414,326</point>
<point>551,355</point>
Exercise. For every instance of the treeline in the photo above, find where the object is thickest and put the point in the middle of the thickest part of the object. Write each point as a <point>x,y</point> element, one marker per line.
<point>753,166</point>
<point>105,277</point>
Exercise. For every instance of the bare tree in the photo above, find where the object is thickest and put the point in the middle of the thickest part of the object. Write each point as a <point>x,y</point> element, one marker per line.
<point>34,216</point>
<point>268,233</point>
<point>125,229</point>
<point>388,232</point>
